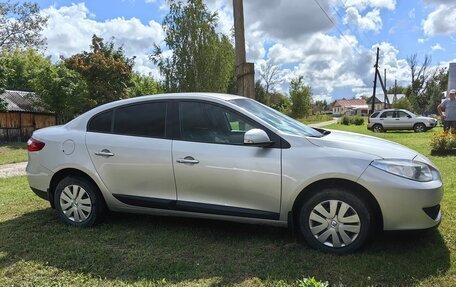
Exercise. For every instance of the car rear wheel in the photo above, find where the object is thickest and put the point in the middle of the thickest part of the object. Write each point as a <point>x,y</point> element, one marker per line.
<point>419,128</point>
<point>79,202</point>
<point>335,220</point>
<point>378,128</point>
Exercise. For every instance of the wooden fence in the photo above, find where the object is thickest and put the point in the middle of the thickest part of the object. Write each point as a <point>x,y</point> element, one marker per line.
<point>19,126</point>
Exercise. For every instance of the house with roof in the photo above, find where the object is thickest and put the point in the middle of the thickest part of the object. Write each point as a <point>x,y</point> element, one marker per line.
<point>22,115</point>
<point>380,101</point>
<point>350,107</point>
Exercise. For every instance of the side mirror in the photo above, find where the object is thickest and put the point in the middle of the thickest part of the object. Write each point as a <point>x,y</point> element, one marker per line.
<point>257,137</point>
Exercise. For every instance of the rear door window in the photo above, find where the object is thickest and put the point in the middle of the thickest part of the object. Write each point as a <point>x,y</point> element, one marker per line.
<point>145,119</point>
<point>101,123</point>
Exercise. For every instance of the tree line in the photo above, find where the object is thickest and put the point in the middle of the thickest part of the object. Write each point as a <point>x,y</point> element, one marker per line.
<point>197,58</point>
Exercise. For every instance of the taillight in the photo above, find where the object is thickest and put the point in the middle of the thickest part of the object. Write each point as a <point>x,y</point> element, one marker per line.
<point>34,145</point>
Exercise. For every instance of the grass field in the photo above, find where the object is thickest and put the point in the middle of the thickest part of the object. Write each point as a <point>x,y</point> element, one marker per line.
<point>138,250</point>
<point>13,152</point>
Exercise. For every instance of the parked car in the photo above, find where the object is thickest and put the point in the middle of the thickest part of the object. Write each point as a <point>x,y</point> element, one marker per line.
<point>395,119</point>
<point>231,158</point>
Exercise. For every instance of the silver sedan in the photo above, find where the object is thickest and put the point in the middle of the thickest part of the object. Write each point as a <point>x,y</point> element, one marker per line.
<point>231,158</point>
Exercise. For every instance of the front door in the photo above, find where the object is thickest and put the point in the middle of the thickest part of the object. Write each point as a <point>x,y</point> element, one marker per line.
<point>215,173</point>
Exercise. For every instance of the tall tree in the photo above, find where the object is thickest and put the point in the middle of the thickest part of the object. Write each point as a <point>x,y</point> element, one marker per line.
<point>21,24</point>
<point>301,98</point>
<point>106,70</point>
<point>269,73</point>
<point>62,91</point>
<point>201,59</point>
<point>22,66</point>
<point>421,75</point>
<point>144,85</point>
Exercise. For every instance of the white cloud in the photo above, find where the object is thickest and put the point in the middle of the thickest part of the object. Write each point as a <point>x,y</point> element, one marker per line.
<point>422,40</point>
<point>70,29</point>
<point>412,14</point>
<point>437,47</point>
<point>370,22</point>
<point>441,20</point>
<point>363,4</point>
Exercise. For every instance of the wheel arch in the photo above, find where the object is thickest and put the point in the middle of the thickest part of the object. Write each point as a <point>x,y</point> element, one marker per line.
<point>61,174</point>
<point>354,187</point>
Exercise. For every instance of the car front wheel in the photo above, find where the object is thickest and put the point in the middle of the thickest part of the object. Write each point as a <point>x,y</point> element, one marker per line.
<point>335,220</point>
<point>79,202</point>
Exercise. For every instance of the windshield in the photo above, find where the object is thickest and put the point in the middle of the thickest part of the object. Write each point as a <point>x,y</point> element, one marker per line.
<point>276,119</point>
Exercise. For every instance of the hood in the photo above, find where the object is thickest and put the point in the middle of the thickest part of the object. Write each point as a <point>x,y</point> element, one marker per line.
<point>365,144</point>
<point>426,119</point>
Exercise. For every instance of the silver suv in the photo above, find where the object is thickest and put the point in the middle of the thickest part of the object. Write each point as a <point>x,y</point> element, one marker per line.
<point>227,157</point>
<point>394,119</point>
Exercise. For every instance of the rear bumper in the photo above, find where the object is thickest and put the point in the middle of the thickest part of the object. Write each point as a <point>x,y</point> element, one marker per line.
<point>41,193</point>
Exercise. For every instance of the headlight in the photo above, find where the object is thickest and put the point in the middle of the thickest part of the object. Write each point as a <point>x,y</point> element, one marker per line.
<point>410,169</point>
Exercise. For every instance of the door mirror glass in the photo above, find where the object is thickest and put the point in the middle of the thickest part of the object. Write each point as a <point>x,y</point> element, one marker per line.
<point>257,137</point>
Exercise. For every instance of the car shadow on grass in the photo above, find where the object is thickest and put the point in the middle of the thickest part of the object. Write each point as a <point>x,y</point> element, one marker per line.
<point>134,248</point>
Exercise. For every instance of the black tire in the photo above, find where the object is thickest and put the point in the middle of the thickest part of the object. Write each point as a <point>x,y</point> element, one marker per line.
<point>323,198</point>
<point>89,192</point>
<point>419,128</point>
<point>378,128</point>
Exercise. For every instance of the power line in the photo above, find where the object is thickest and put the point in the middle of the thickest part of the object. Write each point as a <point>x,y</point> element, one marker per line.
<point>337,28</point>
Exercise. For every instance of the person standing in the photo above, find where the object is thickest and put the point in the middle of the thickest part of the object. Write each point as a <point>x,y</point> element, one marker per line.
<point>447,111</point>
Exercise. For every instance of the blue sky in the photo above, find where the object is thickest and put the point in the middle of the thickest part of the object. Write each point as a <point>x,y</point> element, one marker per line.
<point>334,56</point>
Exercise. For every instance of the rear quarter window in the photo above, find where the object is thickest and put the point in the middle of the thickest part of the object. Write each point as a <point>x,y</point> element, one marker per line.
<point>101,123</point>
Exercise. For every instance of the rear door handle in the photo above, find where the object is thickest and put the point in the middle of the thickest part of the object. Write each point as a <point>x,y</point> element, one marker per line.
<point>187,160</point>
<point>104,153</point>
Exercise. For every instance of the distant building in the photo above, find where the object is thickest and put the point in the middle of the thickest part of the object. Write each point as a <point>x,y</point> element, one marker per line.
<point>350,107</point>
<point>22,116</point>
<point>380,101</point>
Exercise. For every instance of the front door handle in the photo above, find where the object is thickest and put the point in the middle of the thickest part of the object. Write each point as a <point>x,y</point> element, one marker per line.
<point>104,153</point>
<point>187,160</point>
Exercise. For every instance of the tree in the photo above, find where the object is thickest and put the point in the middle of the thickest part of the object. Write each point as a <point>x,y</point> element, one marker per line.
<point>269,73</point>
<point>435,87</point>
<point>421,75</point>
<point>106,70</point>
<point>62,91</point>
<point>301,98</point>
<point>397,90</point>
<point>22,66</point>
<point>260,92</point>
<point>143,85</point>
<point>21,25</point>
<point>201,59</point>
<point>402,103</point>
<point>322,104</point>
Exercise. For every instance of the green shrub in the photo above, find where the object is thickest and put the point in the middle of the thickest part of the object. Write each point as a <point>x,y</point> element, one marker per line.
<point>345,120</point>
<point>312,282</point>
<point>358,120</point>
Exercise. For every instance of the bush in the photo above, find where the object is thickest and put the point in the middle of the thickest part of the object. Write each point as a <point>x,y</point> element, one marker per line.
<point>359,121</point>
<point>350,120</point>
<point>444,142</point>
<point>311,282</point>
<point>345,120</point>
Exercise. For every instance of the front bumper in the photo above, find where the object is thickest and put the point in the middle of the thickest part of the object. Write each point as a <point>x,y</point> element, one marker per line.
<point>405,204</point>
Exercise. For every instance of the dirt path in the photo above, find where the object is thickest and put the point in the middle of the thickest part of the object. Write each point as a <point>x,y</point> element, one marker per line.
<point>14,169</point>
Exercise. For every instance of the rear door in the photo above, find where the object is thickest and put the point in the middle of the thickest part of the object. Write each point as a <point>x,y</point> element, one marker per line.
<point>131,152</point>
<point>387,120</point>
<point>216,173</point>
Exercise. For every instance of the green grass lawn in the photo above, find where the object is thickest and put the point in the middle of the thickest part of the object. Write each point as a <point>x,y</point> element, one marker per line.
<point>139,250</point>
<point>13,152</point>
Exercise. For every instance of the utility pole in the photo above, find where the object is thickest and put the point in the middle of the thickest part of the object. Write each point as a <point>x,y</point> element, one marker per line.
<point>375,82</point>
<point>244,71</point>
<point>395,91</point>
<point>384,91</point>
